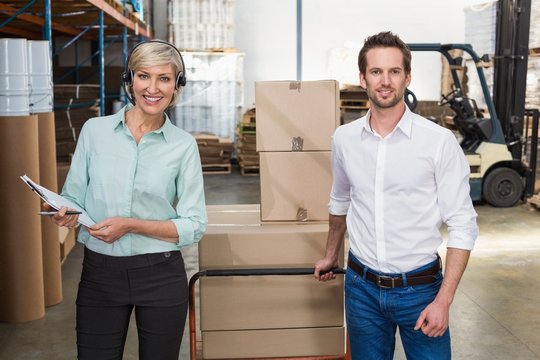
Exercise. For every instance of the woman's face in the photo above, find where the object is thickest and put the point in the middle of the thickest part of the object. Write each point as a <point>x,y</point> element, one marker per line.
<point>153,88</point>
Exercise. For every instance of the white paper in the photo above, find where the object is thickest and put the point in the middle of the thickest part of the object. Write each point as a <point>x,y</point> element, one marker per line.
<point>56,201</point>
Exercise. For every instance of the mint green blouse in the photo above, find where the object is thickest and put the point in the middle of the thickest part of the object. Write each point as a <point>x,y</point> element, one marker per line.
<point>158,179</point>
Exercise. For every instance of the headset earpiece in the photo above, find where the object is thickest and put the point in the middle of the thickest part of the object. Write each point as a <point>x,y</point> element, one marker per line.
<point>127,77</point>
<point>180,79</point>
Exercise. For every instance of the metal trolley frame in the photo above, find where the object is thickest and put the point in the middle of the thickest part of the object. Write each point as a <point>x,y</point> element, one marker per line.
<point>249,272</point>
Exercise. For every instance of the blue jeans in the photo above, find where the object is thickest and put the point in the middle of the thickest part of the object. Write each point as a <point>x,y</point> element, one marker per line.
<point>374,313</point>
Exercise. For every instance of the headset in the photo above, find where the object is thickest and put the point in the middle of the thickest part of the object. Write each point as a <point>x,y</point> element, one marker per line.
<point>127,75</point>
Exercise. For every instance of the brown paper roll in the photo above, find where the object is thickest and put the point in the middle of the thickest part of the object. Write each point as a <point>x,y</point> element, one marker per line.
<point>52,275</point>
<point>21,265</point>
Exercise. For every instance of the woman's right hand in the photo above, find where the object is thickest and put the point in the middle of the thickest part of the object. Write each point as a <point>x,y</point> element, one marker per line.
<point>60,218</point>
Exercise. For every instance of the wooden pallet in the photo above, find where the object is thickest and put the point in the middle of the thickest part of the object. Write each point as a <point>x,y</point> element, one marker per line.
<point>249,170</point>
<point>535,201</point>
<point>216,168</point>
<point>355,104</point>
<point>247,128</point>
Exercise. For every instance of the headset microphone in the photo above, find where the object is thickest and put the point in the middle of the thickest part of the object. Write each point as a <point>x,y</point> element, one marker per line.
<point>127,75</point>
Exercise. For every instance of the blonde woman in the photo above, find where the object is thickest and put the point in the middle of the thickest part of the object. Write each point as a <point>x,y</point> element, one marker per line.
<point>139,177</point>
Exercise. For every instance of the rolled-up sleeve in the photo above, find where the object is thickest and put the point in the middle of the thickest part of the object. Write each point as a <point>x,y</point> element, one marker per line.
<point>191,210</point>
<point>455,204</point>
<point>340,196</point>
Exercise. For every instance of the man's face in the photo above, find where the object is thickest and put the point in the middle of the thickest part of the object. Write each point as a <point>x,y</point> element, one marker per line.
<point>385,80</point>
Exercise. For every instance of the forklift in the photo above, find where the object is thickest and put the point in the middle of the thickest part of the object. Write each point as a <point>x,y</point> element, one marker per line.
<point>501,152</point>
<point>499,176</point>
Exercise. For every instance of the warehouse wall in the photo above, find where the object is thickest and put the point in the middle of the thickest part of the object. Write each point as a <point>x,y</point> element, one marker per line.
<point>332,33</point>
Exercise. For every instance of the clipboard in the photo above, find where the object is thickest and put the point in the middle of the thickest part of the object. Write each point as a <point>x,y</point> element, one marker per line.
<point>56,201</point>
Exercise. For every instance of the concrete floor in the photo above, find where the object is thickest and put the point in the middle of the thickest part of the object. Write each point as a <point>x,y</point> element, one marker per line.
<point>494,315</point>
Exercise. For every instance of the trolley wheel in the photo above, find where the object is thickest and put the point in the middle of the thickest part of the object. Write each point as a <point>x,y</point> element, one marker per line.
<point>503,187</point>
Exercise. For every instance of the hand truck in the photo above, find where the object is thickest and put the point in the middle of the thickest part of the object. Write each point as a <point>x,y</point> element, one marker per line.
<point>249,272</point>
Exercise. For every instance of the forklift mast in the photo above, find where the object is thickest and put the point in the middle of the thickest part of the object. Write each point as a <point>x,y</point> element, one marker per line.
<point>510,61</point>
<point>491,127</point>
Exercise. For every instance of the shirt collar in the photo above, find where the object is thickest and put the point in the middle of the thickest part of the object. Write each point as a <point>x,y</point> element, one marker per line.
<point>404,124</point>
<point>164,130</point>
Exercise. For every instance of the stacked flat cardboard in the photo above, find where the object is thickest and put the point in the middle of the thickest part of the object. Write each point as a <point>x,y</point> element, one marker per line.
<point>246,144</point>
<point>215,152</point>
<point>247,316</point>
<point>295,124</point>
<point>74,104</point>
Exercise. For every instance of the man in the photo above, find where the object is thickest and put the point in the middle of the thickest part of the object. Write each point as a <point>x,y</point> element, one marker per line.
<point>397,178</point>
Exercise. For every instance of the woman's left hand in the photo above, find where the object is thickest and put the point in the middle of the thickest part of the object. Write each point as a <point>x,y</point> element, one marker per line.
<point>110,230</point>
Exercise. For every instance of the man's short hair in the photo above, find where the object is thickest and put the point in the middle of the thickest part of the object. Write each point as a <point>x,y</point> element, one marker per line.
<point>385,39</point>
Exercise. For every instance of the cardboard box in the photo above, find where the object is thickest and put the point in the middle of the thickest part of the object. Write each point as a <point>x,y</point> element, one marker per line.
<point>270,302</point>
<point>62,170</point>
<point>262,246</point>
<point>228,215</point>
<point>296,109</point>
<point>273,343</point>
<point>67,240</point>
<point>295,186</point>
<point>235,238</point>
<point>234,241</point>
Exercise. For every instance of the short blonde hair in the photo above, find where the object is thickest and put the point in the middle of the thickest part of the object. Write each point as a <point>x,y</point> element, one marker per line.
<point>152,53</point>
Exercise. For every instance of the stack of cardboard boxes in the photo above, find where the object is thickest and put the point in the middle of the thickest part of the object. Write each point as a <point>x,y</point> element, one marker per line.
<point>277,316</point>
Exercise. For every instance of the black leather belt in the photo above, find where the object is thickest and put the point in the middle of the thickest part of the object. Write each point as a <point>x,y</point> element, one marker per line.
<point>383,281</point>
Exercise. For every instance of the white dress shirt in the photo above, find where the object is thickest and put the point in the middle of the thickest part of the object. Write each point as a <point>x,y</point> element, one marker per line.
<point>397,191</point>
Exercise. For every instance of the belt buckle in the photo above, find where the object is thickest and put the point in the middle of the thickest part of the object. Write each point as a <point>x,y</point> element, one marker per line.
<point>380,279</point>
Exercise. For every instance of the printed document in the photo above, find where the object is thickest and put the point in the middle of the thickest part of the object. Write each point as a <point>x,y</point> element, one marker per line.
<point>56,201</point>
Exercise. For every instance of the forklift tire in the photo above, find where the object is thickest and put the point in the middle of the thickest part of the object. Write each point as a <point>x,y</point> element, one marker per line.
<point>503,187</point>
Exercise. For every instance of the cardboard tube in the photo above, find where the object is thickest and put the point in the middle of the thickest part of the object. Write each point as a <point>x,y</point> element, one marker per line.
<point>21,265</point>
<point>52,270</point>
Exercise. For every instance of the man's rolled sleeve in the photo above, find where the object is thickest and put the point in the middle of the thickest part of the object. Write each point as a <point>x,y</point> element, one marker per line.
<point>338,208</point>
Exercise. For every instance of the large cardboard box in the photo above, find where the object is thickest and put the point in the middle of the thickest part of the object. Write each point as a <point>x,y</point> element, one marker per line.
<point>291,110</point>
<point>270,302</point>
<point>249,344</point>
<point>265,302</point>
<point>295,186</point>
<point>236,214</point>
<point>67,239</point>
<point>249,245</point>
<point>235,238</point>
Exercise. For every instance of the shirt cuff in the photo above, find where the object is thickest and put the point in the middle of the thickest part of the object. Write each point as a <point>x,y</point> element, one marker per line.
<point>189,232</point>
<point>461,241</point>
<point>338,208</point>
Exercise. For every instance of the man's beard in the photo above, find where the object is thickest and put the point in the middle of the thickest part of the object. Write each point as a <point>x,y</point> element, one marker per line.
<point>385,103</point>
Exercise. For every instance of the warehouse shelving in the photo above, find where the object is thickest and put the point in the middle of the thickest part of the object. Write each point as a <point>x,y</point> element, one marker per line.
<point>83,19</point>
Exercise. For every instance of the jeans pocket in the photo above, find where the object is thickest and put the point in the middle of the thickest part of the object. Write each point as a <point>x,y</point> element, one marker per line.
<point>428,288</point>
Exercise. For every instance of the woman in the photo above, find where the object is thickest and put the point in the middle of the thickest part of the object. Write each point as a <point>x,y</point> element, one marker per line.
<point>140,179</point>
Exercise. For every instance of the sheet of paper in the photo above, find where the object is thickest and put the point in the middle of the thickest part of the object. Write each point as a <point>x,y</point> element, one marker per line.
<point>56,201</point>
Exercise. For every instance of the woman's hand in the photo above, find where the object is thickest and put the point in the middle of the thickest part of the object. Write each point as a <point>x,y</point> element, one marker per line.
<point>111,229</point>
<point>61,219</point>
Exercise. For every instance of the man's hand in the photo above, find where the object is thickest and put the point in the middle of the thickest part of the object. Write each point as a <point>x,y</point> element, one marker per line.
<point>110,230</point>
<point>322,266</point>
<point>433,321</point>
